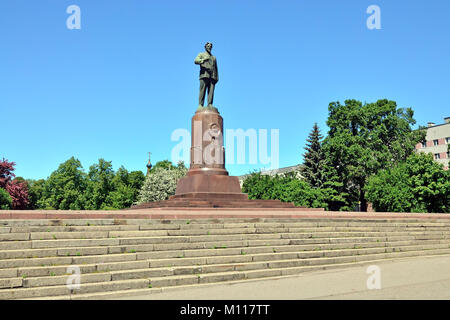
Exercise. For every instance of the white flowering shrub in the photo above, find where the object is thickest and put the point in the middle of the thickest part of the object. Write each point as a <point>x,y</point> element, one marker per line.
<point>160,184</point>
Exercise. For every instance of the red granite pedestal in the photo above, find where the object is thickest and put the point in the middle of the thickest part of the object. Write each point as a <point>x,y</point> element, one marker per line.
<point>207,183</point>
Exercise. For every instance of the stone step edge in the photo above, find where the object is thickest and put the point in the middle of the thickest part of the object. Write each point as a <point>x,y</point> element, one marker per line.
<point>307,269</point>
<point>314,234</point>
<point>182,213</point>
<point>326,241</point>
<point>414,248</point>
<point>138,234</point>
<point>216,220</point>
<point>385,244</point>
<point>217,225</point>
<point>221,227</point>
<point>263,244</point>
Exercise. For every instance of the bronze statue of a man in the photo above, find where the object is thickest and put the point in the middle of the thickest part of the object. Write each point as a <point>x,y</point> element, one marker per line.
<point>209,74</point>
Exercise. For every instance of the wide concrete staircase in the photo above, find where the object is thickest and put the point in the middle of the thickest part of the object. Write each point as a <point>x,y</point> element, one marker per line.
<point>136,256</point>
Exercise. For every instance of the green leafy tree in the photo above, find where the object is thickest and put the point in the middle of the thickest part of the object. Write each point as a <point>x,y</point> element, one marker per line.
<point>258,186</point>
<point>35,192</point>
<point>135,181</point>
<point>99,184</point>
<point>161,183</point>
<point>65,188</point>
<point>121,176</point>
<point>122,197</point>
<point>126,187</point>
<point>286,188</point>
<point>418,184</point>
<point>164,164</point>
<point>70,188</point>
<point>5,200</point>
<point>336,195</point>
<point>363,139</point>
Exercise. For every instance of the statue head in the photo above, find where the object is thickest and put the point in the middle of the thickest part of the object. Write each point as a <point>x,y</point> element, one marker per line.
<point>208,46</point>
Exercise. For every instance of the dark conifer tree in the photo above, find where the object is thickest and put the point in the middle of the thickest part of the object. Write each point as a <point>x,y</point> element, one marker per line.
<point>313,158</point>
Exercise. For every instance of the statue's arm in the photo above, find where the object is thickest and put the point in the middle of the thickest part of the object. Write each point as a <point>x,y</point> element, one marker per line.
<point>217,72</point>
<point>199,59</point>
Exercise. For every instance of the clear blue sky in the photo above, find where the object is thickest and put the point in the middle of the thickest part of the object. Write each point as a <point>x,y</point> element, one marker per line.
<point>121,85</point>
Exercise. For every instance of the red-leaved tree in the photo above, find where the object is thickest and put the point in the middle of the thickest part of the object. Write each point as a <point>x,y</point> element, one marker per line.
<point>19,194</point>
<point>18,190</point>
<point>6,172</point>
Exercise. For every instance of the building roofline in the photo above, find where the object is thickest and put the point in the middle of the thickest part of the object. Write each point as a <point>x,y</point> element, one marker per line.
<point>437,125</point>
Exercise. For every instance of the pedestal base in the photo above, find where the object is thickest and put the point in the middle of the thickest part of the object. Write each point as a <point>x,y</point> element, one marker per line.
<point>209,183</point>
<point>215,200</point>
<point>211,191</point>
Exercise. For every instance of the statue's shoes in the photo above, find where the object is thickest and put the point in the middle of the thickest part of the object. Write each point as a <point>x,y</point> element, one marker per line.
<point>208,108</point>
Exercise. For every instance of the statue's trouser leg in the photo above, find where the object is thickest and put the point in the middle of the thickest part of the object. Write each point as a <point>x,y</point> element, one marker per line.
<point>201,99</point>
<point>210,93</point>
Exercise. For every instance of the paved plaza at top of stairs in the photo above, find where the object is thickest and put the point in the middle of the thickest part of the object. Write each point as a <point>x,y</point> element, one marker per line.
<point>134,252</point>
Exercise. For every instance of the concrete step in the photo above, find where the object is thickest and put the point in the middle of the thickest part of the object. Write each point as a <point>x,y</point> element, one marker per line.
<point>128,255</point>
<point>285,273</point>
<point>60,290</point>
<point>125,257</point>
<point>29,229</point>
<point>311,222</point>
<point>133,245</point>
<point>79,232</point>
<point>248,253</point>
<point>137,269</point>
<point>71,239</point>
<point>278,268</point>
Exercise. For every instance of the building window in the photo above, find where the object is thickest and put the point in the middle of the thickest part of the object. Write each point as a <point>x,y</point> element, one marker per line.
<point>424,144</point>
<point>436,142</point>
<point>437,156</point>
<point>447,140</point>
<point>448,154</point>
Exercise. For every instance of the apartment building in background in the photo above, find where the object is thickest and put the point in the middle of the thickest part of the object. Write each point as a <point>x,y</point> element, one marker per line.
<point>437,142</point>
